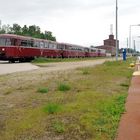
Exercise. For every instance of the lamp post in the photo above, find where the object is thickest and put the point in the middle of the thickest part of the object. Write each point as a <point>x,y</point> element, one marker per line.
<point>130,34</point>
<point>116,30</point>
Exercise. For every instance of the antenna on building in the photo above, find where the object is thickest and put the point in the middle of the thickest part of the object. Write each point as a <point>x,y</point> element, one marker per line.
<point>111,29</point>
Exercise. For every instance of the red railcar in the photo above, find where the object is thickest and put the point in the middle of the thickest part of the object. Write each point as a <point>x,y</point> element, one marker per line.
<point>15,47</point>
<point>71,51</point>
<point>21,48</point>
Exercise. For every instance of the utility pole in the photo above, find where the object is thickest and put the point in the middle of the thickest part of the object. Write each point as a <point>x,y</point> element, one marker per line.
<point>134,43</point>
<point>0,24</point>
<point>116,30</point>
<point>127,45</point>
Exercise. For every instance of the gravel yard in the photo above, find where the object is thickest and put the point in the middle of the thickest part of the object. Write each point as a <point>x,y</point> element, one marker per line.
<point>7,68</point>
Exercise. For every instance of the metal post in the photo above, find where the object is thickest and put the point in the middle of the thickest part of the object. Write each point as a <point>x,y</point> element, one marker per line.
<point>116,30</point>
<point>130,37</point>
<point>127,45</point>
<point>0,24</point>
<point>134,43</point>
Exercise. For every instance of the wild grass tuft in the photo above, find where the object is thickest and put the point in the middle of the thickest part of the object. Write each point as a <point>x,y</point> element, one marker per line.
<point>58,127</point>
<point>124,85</point>
<point>52,108</point>
<point>86,72</point>
<point>63,87</point>
<point>43,90</point>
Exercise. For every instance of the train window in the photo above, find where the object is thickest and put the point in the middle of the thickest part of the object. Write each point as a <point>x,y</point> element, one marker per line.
<point>2,41</point>
<point>8,42</point>
<point>93,50</point>
<point>24,43</point>
<point>5,42</point>
<point>50,45</point>
<point>67,47</point>
<point>60,46</point>
<point>36,44</point>
<point>41,44</point>
<point>46,45</point>
<point>30,43</point>
<point>86,49</point>
<point>54,46</point>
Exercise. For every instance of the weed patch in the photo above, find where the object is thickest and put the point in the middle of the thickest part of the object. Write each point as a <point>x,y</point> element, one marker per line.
<point>52,108</point>
<point>43,90</point>
<point>63,87</point>
<point>86,72</point>
<point>58,127</point>
<point>124,85</point>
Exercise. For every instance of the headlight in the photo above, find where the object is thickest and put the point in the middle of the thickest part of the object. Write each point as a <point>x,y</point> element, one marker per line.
<point>3,49</point>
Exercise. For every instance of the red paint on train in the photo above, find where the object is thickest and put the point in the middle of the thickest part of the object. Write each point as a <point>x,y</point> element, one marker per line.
<point>15,47</point>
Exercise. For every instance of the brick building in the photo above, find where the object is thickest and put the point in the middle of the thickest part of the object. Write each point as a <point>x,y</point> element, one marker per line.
<point>109,45</point>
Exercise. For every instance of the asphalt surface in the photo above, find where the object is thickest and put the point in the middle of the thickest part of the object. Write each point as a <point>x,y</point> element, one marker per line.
<point>7,68</point>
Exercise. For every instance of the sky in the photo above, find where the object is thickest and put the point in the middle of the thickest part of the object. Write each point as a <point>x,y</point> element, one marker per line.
<point>82,22</point>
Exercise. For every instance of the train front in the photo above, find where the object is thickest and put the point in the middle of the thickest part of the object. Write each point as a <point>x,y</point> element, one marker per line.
<point>2,48</point>
<point>7,46</point>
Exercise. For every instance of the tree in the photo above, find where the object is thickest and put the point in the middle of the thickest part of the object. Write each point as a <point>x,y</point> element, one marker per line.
<point>16,29</point>
<point>25,30</point>
<point>32,30</point>
<point>48,35</point>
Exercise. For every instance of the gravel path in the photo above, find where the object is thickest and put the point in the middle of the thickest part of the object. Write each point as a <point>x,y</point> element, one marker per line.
<point>7,68</point>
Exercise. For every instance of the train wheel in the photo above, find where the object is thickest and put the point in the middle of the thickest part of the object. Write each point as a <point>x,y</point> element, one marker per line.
<point>11,61</point>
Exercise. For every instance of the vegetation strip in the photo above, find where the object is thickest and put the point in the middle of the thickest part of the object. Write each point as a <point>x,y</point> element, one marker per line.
<point>83,104</point>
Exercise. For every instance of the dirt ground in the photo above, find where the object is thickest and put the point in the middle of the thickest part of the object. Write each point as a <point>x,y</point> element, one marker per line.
<point>7,68</point>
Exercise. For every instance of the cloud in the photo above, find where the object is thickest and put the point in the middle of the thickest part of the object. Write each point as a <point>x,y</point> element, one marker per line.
<point>74,21</point>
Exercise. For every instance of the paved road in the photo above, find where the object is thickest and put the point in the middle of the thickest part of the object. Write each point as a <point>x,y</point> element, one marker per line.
<point>6,68</point>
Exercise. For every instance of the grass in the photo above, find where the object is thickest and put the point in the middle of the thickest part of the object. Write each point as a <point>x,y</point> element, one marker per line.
<point>43,90</point>
<point>63,87</point>
<point>85,71</point>
<point>50,60</point>
<point>58,127</point>
<point>52,108</point>
<point>90,111</point>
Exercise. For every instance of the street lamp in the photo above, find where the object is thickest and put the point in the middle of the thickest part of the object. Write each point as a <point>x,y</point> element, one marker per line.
<point>130,34</point>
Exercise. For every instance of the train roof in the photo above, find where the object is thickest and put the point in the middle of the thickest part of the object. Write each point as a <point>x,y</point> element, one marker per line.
<point>24,37</point>
<point>73,44</point>
<point>15,36</point>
